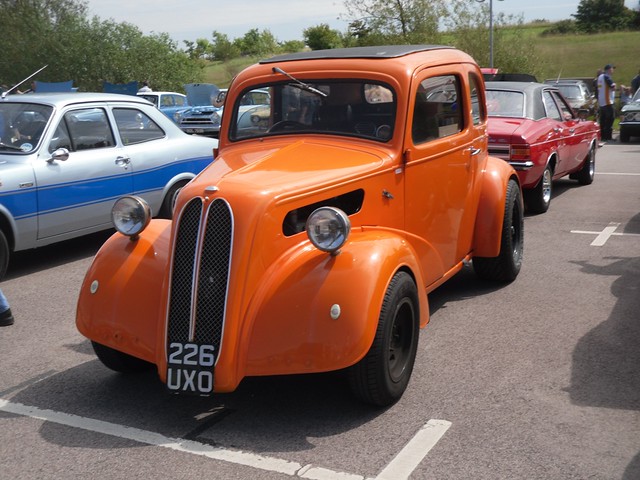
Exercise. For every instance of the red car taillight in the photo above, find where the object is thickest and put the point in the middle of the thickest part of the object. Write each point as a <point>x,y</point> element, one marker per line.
<point>520,152</point>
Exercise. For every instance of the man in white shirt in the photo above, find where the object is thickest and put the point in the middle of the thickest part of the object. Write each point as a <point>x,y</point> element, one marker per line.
<point>606,98</point>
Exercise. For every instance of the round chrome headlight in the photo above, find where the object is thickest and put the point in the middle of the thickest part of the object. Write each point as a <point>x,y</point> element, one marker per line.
<point>328,228</point>
<point>130,215</point>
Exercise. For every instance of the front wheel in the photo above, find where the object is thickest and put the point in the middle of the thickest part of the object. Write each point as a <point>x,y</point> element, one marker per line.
<point>166,211</point>
<point>382,376</point>
<point>119,361</point>
<point>5,252</point>
<point>506,266</point>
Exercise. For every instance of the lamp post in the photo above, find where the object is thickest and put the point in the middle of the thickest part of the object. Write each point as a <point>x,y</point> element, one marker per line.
<point>490,30</point>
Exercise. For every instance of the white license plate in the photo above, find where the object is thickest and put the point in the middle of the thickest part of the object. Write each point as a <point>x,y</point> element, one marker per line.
<point>190,368</point>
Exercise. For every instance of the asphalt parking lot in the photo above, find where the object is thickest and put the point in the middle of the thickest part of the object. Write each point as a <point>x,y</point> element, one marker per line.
<point>539,379</point>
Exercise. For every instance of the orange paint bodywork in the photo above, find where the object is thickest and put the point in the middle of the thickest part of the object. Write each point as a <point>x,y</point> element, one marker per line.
<point>426,210</point>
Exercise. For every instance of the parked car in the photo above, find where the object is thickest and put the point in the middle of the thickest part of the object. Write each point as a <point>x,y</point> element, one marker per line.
<point>577,94</point>
<point>65,159</point>
<point>169,103</point>
<point>532,127</point>
<point>630,119</point>
<point>204,115</point>
<point>312,241</point>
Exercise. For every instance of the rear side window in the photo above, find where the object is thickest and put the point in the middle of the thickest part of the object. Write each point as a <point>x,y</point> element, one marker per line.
<point>478,110</point>
<point>550,106</point>
<point>437,112</point>
<point>135,126</point>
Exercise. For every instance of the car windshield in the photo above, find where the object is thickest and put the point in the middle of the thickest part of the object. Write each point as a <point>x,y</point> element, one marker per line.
<point>570,92</point>
<point>354,108</point>
<point>502,103</point>
<point>636,96</point>
<point>22,125</point>
<point>150,98</point>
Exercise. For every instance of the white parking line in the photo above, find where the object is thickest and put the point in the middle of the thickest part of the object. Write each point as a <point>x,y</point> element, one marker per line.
<point>622,174</point>
<point>400,468</point>
<point>414,452</point>
<point>605,234</point>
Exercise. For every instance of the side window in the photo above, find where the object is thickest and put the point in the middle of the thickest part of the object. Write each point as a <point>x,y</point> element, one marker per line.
<point>437,111</point>
<point>88,129</point>
<point>550,106</point>
<point>61,138</point>
<point>567,113</point>
<point>135,126</point>
<point>478,110</point>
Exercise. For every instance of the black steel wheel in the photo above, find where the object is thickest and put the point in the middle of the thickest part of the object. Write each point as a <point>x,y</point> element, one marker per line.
<point>119,361</point>
<point>382,376</point>
<point>506,266</point>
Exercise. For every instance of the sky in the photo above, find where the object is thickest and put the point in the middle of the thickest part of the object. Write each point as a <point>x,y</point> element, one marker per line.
<point>285,19</point>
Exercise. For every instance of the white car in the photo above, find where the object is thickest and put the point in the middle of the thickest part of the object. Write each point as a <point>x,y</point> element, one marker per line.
<point>66,157</point>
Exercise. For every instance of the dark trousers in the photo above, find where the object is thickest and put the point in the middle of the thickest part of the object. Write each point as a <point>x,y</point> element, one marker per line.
<point>606,121</point>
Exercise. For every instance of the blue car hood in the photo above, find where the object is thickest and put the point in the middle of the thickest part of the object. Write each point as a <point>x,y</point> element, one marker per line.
<point>201,94</point>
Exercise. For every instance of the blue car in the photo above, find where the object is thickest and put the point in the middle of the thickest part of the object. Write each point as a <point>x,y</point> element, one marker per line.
<point>66,157</point>
<point>172,104</point>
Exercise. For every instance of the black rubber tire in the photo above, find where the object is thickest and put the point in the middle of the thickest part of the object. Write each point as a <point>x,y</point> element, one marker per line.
<point>506,266</point>
<point>624,136</point>
<point>382,376</point>
<point>587,172</point>
<point>119,361</point>
<point>166,211</point>
<point>5,253</point>
<point>538,199</point>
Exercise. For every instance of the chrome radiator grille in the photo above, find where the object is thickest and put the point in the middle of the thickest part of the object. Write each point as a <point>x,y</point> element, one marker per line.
<point>200,275</point>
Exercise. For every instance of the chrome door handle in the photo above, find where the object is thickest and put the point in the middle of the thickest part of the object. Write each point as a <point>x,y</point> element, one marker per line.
<point>123,161</point>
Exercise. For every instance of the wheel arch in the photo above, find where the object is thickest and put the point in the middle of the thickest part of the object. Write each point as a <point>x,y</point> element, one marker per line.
<point>488,227</point>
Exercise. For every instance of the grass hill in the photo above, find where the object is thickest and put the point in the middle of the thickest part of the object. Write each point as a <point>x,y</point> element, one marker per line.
<point>562,55</point>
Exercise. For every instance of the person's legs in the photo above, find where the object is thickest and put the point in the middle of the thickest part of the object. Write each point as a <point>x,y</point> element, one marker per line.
<point>606,121</point>
<point>6,317</point>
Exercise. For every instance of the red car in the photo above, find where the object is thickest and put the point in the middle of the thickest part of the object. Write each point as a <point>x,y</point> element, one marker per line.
<point>532,126</point>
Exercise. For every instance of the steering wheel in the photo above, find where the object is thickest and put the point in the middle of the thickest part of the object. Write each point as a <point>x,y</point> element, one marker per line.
<point>286,124</point>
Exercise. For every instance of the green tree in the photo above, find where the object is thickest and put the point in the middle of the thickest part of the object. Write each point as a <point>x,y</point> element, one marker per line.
<point>322,37</point>
<point>223,49</point>
<point>59,34</point>
<point>255,43</point>
<point>603,15</point>
<point>395,22</point>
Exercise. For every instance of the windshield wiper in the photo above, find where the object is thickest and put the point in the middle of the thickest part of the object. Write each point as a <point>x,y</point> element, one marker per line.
<point>298,84</point>
<point>10,147</point>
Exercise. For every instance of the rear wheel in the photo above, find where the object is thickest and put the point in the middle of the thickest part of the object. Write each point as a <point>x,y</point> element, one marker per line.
<point>382,376</point>
<point>506,266</point>
<point>588,170</point>
<point>119,361</point>
<point>539,198</point>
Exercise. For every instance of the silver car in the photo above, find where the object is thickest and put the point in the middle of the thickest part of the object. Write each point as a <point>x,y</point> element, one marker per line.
<point>65,158</point>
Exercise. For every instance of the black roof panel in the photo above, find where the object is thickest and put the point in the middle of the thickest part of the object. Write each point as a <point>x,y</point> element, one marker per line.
<point>387,51</point>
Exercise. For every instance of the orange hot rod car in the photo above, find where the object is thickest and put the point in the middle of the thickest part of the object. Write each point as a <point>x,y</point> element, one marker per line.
<point>311,242</point>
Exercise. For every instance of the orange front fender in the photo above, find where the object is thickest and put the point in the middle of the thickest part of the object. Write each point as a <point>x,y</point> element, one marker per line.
<point>487,236</point>
<point>121,299</point>
<point>316,312</point>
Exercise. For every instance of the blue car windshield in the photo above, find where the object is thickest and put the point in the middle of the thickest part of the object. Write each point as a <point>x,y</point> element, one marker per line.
<point>22,126</point>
